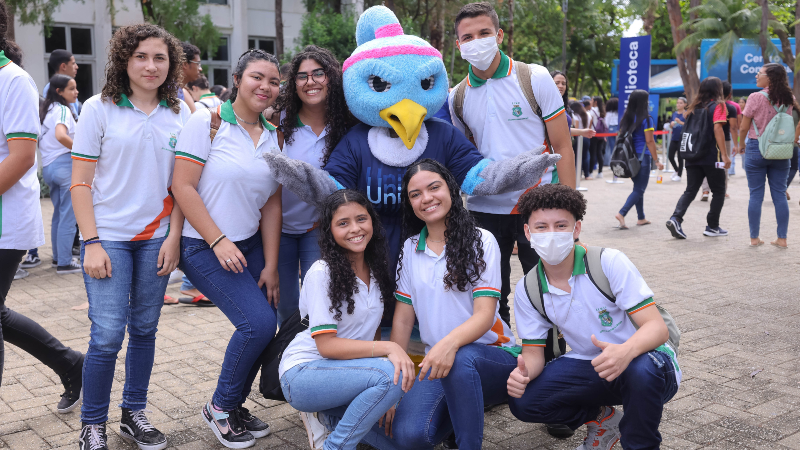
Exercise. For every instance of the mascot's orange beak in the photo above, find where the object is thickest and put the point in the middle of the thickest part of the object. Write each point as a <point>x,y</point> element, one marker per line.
<point>406,118</point>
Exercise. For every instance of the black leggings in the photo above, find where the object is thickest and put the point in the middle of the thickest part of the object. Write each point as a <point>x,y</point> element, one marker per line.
<point>24,332</point>
<point>674,146</point>
<point>596,147</point>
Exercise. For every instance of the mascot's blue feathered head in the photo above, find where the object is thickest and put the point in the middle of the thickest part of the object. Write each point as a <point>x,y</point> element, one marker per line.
<point>392,79</point>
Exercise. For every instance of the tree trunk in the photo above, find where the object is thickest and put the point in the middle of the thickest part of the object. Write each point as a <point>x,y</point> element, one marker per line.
<point>10,31</point>
<point>599,88</point>
<point>390,5</point>
<point>437,26</point>
<point>687,60</point>
<point>730,64</point>
<point>763,35</point>
<point>279,29</point>
<point>511,29</point>
<point>786,46</point>
<point>577,76</point>
<point>649,16</point>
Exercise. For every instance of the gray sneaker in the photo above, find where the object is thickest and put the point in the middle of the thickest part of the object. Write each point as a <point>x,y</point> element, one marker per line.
<point>603,434</point>
<point>21,273</point>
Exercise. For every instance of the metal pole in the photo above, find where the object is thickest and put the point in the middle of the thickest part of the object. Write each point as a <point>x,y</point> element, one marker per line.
<point>666,154</point>
<point>580,166</point>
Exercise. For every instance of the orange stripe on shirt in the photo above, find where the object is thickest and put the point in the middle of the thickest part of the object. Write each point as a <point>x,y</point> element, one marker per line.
<point>498,329</point>
<point>560,113</point>
<point>643,307</point>
<point>187,159</point>
<point>323,332</point>
<point>151,228</point>
<point>20,138</point>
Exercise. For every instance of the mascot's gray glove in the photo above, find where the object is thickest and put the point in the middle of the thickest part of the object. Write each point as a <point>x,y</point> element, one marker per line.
<point>514,174</point>
<point>311,184</point>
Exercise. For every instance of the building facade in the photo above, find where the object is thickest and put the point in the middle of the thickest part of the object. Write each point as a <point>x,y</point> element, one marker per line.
<point>85,28</point>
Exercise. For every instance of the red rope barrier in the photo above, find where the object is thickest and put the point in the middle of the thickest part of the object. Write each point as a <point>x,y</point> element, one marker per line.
<point>656,133</point>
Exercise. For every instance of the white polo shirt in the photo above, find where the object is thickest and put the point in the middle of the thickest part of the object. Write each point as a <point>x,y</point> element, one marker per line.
<point>315,303</point>
<point>135,154</point>
<point>48,144</point>
<point>504,125</point>
<point>298,216</point>
<point>236,181</point>
<point>440,311</point>
<point>21,226</point>
<point>208,101</point>
<point>586,311</point>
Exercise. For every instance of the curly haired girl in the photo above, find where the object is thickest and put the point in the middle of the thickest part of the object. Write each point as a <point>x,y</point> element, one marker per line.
<point>343,296</point>
<point>122,160</point>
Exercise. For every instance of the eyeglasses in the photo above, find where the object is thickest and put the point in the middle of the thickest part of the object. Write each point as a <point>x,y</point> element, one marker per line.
<point>195,62</point>
<point>302,77</point>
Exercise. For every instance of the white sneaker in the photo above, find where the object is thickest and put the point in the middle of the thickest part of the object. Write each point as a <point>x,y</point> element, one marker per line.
<point>676,178</point>
<point>21,273</point>
<point>603,435</point>
<point>600,175</point>
<point>317,433</point>
<point>175,277</point>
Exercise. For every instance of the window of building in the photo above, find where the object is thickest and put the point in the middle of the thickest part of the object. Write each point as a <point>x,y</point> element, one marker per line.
<point>261,43</point>
<point>78,40</point>
<point>217,2</point>
<point>218,68</point>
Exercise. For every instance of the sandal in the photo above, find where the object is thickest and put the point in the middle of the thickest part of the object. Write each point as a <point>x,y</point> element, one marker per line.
<point>647,222</point>
<point>782,247</point>
<point>760,243</point>
<point>200,300</point>
<point>169,300</point>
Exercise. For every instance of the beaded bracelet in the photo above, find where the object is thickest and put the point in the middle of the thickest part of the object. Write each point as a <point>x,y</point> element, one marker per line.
<point>221,237</point>
<point>92,239</point>
<point>85,243</point>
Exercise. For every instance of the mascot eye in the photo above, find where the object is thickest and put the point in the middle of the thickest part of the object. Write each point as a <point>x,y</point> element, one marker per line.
<point>427,83</point>
<point>378,84</point>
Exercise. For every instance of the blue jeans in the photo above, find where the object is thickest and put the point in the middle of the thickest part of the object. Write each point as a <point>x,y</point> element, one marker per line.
<point>570,392</point>
<point>758,170</point>
<point>132,297</point>
<point>612,141</point>
<point>352,395</point>
<point>298,252</point>
<point>238,296</point>
<point>58,176</point>
<point>434,408</point>
<point>186,285</point>
<point>639,185</point>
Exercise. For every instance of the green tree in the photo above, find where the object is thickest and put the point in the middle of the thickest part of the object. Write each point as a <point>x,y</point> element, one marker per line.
<point>182,19</point>
<point>32,12</point>
<point>728,21</point>
<point>323,27</point>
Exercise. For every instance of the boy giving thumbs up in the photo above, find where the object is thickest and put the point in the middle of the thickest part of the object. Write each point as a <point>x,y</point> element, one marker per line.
<point>611,362</point>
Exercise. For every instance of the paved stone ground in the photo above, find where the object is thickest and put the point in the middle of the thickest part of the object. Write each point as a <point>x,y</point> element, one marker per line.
<point>737,308</point>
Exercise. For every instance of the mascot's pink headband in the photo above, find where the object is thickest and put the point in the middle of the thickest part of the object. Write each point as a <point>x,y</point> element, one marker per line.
<point>393,29</point>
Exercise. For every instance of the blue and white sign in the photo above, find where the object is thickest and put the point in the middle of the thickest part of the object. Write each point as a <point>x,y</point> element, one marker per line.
<point>634,67</point>
<point>652,105</point>
<point>746,63</point>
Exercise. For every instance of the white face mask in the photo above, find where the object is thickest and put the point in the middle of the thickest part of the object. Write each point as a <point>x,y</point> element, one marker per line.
<point>480,52</point>
<point>554,246</point>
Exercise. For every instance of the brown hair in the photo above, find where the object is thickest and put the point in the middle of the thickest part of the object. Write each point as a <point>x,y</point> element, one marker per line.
<point>121,47</point>
<point>779,91</point>
<point>552,196</point>
<point>471,10</point>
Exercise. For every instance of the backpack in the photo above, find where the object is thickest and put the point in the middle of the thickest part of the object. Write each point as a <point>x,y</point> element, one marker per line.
<point>601,126</point>
<point>270,383</point>
<point>594,269</point>
<point>777,142</point>
<point>524,80</point>
<point>698,137</point>
<point>624,162</point>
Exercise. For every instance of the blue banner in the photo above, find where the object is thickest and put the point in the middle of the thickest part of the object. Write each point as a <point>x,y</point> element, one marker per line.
<point>745,64</point>
<point>634,67</point>
<point>652,106</point>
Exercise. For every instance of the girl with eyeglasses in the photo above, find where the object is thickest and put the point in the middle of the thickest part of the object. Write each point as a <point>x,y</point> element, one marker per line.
<point>313,119</point>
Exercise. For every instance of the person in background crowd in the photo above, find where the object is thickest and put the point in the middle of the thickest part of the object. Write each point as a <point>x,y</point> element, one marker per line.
<point>285,70</point>
<point>581,120</point>
<point>710,98</point>
<point>218,90</point>
<point>630,363</point>
<point>343,297</point>
<point>21,219</point>
<point>586,101</point>
<point>597,144</point>
<point>731,124</point>
<point>63,62</point>
<point>742,103</point>
<point>58,130</point>
<point>612,120</point>
<point>232,234</point>
<point>562,84</point>
<point>192,68</point>
<point>121,173</point>
<point>676,123</point>
<point>313,119</point>
<point>638,121</point>
<point>758,111</point>
<point>201,94</point>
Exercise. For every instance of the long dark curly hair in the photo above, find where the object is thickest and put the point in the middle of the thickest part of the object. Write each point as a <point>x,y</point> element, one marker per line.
<point>337,114</point>
<point>342,277</point>
<point>779,91</point>
<point>464,248</point>
<point>120,50</point>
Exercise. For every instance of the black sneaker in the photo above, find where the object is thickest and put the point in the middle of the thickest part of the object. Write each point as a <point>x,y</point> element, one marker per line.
<point>450,442</point>
<point>93,437</point>
<point>253,424</point>
<point>73,388</point>
<point>675,228</point>
<point>559,431</point>
<point>74,266</point>
<point>30,261</point>
<point>134,426</point>
<point>228,427</point>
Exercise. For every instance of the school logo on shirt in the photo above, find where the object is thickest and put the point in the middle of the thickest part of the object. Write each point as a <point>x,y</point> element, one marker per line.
<point>173,139</point>
<point>516,110</point>
<point>605,318</point>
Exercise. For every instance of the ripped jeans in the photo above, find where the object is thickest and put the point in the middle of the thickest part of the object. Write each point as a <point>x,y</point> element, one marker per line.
<point>569,391</point>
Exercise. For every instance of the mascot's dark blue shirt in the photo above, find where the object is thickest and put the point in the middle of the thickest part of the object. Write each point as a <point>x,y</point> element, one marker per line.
<point>353,165</point>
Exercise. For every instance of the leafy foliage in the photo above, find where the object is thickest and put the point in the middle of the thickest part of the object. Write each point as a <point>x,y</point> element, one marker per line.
<point>325,28</point>
<point>182,19</point>
<point>35,11</point>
